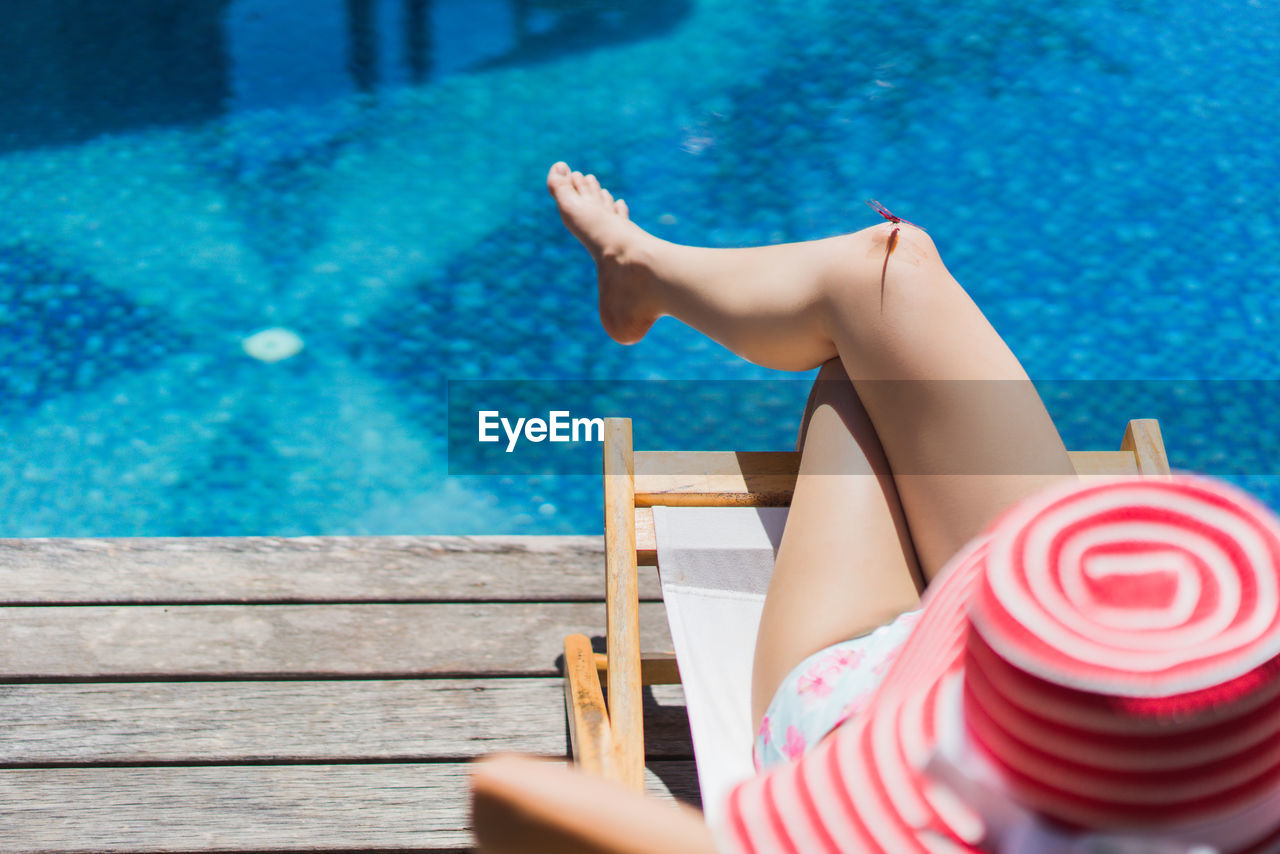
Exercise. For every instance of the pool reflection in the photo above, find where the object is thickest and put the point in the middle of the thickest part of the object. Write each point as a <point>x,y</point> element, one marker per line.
<point>75,69</point>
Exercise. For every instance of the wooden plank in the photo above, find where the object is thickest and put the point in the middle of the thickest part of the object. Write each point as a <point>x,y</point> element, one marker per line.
<point>304,569</point>
<point>767,478</point>
<point>669,489</point>
<point>152,642</point>
<point>626,720</point>
<point>646,538</point>
<point>715,478</point>
<point>1104,463</point>
<point>254,808</point>
<point>656,668</point>
<point>335,721</point>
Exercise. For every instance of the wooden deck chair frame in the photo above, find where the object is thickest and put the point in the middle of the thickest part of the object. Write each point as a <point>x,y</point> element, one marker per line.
<point>610,741</point>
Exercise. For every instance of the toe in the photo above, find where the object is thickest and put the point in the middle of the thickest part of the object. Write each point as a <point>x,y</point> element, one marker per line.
<point>557,178</point>
<point>621,207</point>
<point>560,168</point>
<point>579,181</point>
<point>607,196</point>
<point>593,184</point>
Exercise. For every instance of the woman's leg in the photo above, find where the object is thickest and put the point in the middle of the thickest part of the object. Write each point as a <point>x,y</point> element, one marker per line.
<point>846,563</point>
<point>963,430</point>
<point>743,298</point>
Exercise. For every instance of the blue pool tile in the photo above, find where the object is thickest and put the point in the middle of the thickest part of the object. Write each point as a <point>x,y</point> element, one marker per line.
<point>66,332</point>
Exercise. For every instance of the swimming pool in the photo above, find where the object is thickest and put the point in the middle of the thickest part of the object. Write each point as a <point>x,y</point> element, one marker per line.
<point>362,181</point>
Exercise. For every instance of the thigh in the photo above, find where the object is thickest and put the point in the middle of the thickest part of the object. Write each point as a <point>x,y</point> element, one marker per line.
<point>964,430</point>
<point>846,563</point>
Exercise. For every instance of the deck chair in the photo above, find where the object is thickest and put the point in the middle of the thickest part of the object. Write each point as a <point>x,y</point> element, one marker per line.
<point>645,495</point>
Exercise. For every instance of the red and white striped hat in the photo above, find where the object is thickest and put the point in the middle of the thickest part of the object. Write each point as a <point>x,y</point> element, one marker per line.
<point>1099,673</point>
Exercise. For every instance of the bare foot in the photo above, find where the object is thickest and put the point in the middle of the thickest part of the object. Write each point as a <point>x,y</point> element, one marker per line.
<point>603,225</point>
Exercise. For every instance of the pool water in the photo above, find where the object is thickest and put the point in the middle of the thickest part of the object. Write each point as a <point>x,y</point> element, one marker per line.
<point>245,246</point>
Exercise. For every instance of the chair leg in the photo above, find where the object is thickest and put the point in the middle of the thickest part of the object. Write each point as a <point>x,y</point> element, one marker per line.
<point>1142,437</point>
<point>622,603</point>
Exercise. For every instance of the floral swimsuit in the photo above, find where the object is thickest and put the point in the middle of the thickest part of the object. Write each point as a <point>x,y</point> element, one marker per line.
<point>825,690</point>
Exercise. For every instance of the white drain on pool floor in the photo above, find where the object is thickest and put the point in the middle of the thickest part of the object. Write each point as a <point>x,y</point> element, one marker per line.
<point>273,345</point>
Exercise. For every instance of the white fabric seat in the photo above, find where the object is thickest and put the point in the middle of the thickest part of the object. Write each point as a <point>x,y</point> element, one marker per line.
<point>715,564</point>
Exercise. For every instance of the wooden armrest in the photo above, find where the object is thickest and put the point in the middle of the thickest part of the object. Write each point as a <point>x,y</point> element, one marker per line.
<point>589,733</point>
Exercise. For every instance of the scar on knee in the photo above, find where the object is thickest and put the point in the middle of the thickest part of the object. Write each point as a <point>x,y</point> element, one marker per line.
<point>909,245</point>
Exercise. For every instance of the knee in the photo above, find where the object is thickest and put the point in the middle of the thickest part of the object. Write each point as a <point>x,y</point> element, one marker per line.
<point>832,371</point>
<point>904,245</point>
<point>831,385</point>
<point>834,402</point>
<point>861,255</point>
<point>881,266</point>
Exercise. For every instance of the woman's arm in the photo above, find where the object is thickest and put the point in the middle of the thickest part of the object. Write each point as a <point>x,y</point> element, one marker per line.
<point>521,804</point>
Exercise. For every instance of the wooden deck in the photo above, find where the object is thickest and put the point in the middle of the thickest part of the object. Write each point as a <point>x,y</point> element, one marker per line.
<point>315,694</point>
